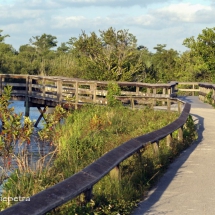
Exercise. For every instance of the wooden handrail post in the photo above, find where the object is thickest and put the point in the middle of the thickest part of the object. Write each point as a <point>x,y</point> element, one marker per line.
<point>179,107</point>
<point>29,85</point>
<point>43,87</point>
<point>193,90</point>
<point>137,90</point>
<point>156,147</point>
<point>27,107</point>
<point>164,94</point>
<point>213,94</point>
<point>169,140</point>
<point>180,134</point>
<point>168,105</point>
<point>154,94</point>
<point>132,103</point>
<point>59,90</point>
<point>88,194</point>
<point>93,87</point>
<point>76,95</point>
<point>164,91</point>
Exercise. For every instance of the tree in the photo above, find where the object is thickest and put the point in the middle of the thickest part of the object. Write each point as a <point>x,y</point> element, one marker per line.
<point>43,45</point>
<point>164,62</point>
<point>112,55</point>
<point>2,37</point>
<point>190,68</point>
<point>203,48</point>
<point>7,55</point>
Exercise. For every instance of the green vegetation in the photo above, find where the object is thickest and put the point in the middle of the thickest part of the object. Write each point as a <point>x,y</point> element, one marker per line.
<point>111,55</point>
<point>86,135</point>
<point>12,133</point>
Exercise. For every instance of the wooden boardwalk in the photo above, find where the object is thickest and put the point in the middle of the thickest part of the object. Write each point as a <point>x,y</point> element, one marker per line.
<point>188,186</point>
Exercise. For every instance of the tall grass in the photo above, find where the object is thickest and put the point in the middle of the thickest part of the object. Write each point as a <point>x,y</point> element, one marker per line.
<point>85,136</point>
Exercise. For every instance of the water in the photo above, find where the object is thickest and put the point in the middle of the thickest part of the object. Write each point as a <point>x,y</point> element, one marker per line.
<point>36,149</point>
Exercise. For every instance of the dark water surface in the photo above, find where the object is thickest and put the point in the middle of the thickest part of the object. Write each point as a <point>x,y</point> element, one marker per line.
<point>36,149</point>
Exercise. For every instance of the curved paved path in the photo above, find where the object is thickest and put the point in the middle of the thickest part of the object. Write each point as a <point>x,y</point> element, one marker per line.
<point>188,186</point>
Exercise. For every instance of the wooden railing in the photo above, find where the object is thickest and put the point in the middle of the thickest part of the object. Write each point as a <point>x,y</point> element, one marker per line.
<point>83,181</point>
<point>189,87</point>
<point>207,92</point>
<point>45,90</point>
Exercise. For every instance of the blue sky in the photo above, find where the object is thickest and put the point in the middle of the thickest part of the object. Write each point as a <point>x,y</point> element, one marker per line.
<point>151,21</point>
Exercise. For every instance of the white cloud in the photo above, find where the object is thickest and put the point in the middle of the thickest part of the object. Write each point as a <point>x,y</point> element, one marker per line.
<point>166,22</point>
<point>183,12</point>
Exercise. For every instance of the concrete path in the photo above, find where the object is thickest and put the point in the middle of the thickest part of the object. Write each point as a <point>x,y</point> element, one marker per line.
<point>188,186</point>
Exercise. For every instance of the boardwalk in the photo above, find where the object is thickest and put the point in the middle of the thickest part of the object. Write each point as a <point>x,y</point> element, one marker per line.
<point>188,187</point>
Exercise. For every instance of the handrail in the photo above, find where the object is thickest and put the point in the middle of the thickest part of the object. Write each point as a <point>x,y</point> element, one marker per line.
<point>191,84</point>
<point>57,89</point>
<point>83,181</point>
<point>204,90</point>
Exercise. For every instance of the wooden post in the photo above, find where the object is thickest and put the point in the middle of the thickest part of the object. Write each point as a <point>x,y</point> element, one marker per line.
<point>115,173</point>
<point>213,93</point>
<point>132,103</point>
<point>148,91</point>
<point>76,95</point>
<point>27,108</point>
<point>169,140</point>
<point>169,91</point>
<point>93,87</point>
<point>180,134</point>
<point>29,85</point>
<point>154,94</point>
<point>168,105</point>
<point>59,90</point>
<point>137,90</point>
<point>88,194</point>
<point>179,106</point>
<point>164,94</point>
<point>44,88</point>
<point>41,115</point>
<point>156,147</point>
<point>193,90</point>
<point>2,83</point>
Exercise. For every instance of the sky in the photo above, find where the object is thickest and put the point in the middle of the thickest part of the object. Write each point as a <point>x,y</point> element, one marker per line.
<point>151,21</point>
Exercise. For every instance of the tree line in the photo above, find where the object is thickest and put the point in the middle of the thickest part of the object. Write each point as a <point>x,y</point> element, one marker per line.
<point>111,55</point>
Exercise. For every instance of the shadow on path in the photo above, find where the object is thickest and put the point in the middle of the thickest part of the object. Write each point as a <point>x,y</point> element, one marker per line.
<point>155,194</point>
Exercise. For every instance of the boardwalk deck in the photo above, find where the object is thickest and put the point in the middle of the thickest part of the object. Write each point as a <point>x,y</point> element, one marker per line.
<point>188,187</point>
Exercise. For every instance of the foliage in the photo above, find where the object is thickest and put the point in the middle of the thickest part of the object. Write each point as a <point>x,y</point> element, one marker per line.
<point>209,97</point>
<point>113,90</point>
<point>110,56</point>
<point>13,132</point>
<point>52,120</point>
<point>2,37</point>
<point>86,135</point>
<point>164,62</point>
<point>189,132</point>
<point>204,48</point>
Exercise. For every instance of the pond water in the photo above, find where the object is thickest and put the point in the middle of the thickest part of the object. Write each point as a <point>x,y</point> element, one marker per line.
<point>36,149</point>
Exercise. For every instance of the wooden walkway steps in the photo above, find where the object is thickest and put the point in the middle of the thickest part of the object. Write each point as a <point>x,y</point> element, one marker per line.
<point>188,186</point>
